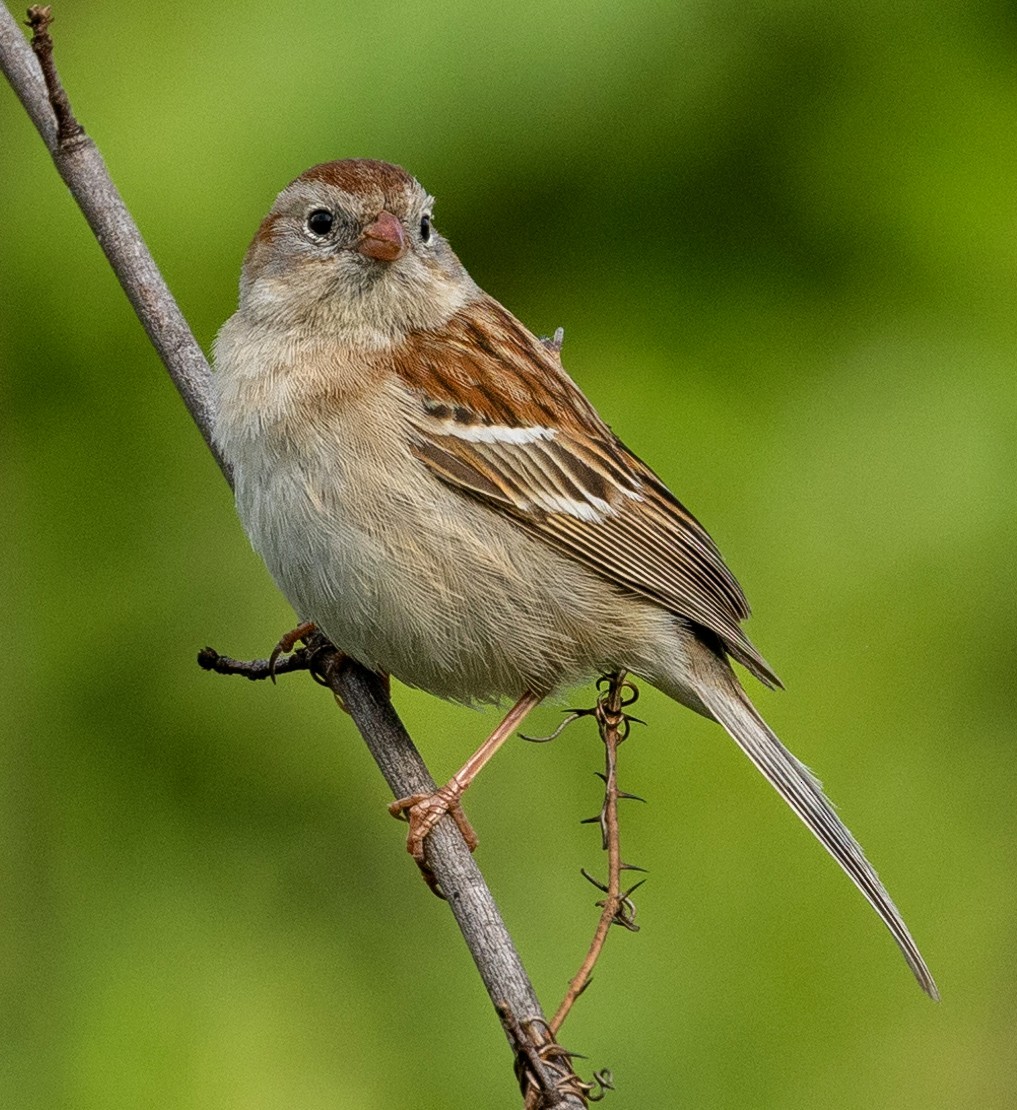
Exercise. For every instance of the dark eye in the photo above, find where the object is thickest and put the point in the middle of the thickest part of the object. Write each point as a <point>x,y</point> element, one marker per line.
<point>425,226</point>
<point>320,221</point>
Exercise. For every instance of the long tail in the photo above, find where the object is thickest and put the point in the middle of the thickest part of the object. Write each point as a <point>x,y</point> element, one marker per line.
<point>720,692</point>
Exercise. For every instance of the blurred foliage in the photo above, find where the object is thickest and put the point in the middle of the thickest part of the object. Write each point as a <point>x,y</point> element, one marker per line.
<point>781,239</point>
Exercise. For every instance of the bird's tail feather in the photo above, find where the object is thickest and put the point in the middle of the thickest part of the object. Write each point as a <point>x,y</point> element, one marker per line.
<point>721,694</point>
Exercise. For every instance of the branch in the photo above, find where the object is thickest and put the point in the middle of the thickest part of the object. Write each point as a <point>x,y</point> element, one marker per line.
<point>543,1069</point>
<point>617,907</point>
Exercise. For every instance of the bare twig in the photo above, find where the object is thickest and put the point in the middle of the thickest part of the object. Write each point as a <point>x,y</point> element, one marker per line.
<point>82,168</point>
<point>255,669</point>
<point>617,907</point>
<point>68,128</point>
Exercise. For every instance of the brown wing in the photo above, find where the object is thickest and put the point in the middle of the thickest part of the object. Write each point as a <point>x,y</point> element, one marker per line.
<point>530,445</point>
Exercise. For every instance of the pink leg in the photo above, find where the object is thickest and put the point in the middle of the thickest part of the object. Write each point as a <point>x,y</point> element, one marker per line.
<point>424,811</point>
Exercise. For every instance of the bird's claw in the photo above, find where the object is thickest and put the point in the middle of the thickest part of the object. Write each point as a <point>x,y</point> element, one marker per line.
<point>424,811</point>
<point>288,642</point>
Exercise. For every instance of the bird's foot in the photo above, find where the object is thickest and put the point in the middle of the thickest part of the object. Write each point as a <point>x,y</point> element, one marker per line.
<point>424,811</point>
<point>288,642</point>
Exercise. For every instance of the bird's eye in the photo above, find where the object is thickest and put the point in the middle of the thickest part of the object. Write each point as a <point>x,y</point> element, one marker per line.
<point>425,226</point>
<point>320,221</point>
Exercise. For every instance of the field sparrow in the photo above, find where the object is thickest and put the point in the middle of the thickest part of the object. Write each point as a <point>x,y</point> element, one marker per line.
<point>429,487</point>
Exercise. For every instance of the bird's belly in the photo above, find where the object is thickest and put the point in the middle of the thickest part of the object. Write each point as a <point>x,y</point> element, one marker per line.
<point>411,577</point>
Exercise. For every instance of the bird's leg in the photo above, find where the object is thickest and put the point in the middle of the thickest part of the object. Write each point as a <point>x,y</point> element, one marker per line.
<point>424,811</point>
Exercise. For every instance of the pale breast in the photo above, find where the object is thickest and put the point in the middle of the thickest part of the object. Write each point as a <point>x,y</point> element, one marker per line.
<point>402,572</point>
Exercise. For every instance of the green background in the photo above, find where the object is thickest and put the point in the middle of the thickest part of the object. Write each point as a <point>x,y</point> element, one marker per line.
<point>782,240</point>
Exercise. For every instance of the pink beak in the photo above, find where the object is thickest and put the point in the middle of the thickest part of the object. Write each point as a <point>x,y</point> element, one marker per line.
<point>384,239</point>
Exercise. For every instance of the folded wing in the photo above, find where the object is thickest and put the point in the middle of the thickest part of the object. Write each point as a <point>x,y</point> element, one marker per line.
<point>531,446</point>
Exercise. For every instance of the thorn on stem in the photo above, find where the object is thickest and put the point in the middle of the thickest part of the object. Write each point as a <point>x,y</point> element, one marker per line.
<point>614,693</point>
<point>590,879</point>
<point>572,715</point>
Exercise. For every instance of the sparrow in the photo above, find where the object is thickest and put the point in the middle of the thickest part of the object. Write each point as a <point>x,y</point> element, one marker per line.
<point>429,488</point>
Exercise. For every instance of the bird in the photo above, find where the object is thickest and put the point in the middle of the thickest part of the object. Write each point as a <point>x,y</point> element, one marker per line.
<point>432,491</point>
